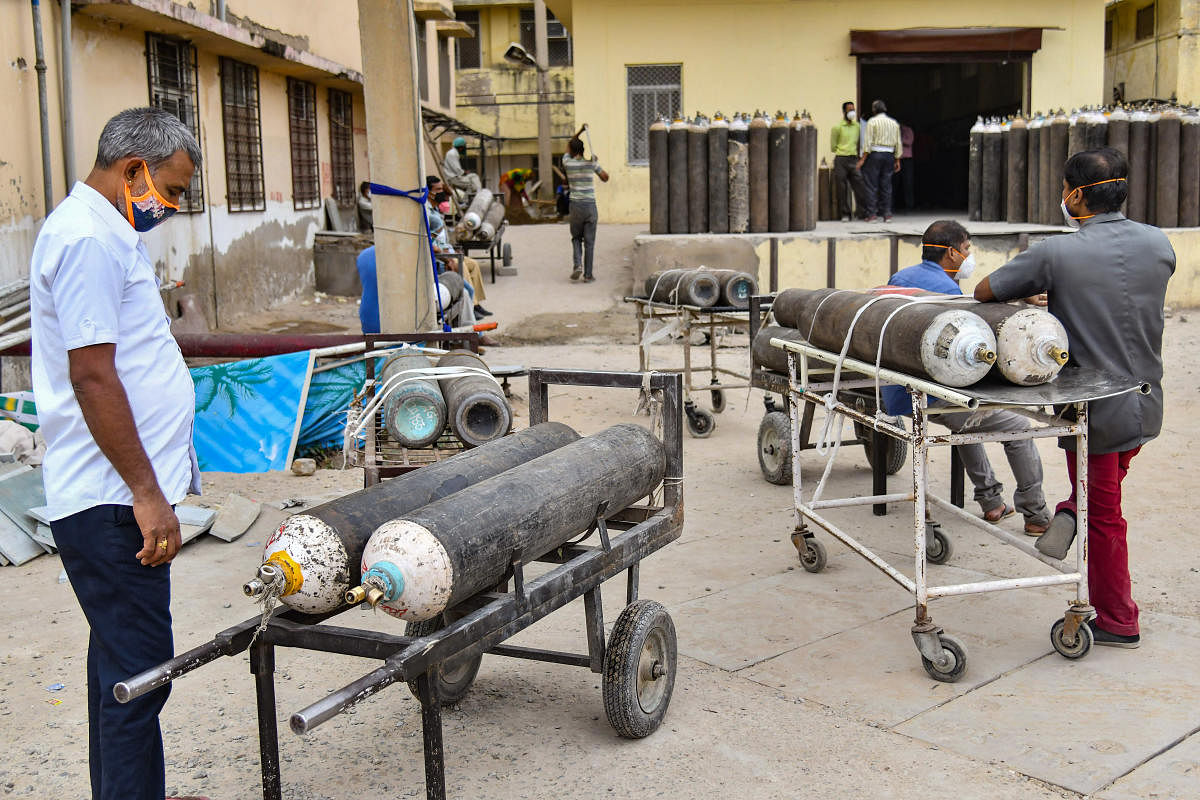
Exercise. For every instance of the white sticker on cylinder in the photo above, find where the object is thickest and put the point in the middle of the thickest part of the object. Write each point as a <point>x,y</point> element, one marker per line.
<point>421,559</point>
<point>318,550</point>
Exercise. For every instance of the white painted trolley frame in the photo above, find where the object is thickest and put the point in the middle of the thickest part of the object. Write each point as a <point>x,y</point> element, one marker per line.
<point>943,656</point>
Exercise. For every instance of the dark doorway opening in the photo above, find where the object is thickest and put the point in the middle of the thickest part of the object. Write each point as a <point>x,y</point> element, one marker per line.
<point>940,100</point>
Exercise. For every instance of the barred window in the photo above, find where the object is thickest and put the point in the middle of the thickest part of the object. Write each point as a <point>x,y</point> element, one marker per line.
<point>171,73</point>
<point>341,147</point>
<point>302,126</point>
<point>558,41</point>
<point>243,136</point>
<point>654,91</point>
<point>469,55</point>
<point>1144,23</point>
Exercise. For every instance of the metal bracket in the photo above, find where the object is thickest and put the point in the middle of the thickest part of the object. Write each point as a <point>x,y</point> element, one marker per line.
<point>1075,617</point>
<point>518,573</point>
<point>927,637</point>
<point>601,525</point>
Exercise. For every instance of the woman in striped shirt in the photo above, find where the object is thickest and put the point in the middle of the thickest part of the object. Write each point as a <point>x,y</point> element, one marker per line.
<point>583,205</point>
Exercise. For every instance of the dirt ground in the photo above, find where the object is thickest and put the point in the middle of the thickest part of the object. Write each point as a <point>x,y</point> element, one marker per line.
<point>531,730</point>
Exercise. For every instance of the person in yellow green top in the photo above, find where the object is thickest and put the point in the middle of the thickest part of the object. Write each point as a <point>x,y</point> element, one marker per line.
<point>843,141</point>
<point>512,183</point>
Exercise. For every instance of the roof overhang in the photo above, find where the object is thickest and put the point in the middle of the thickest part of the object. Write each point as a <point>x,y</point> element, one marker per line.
<point>455,30</point>
<point>945,40</point>
<point>433,9</point>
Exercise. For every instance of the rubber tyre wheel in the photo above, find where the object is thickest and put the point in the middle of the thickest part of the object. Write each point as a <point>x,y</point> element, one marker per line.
<point>452,679</point>
<point>775,448</point>
<point>1083,640</point>
<point>506,255</point>
<point>718,400</point>
<point>639,669</point>
<point>958,663</point>
<point>896,451</point>
<point>937,546</point>
<point>700,423</point>
<point>813,557</point>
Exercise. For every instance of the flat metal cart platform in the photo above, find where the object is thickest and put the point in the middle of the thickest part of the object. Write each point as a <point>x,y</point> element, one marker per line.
<point>943,656</point>
<point>439,658</point>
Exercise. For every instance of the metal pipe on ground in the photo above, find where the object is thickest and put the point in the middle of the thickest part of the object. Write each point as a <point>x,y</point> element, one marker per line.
<point>433,558</point>
<point>315,556</point>
<point>759,169</point>
<point>660,186</point>
<point>779,174</point>
<point>1166,189</point>
<point>1016,142</point>
<point>689,287</point>
<point>475,404</point>
<point>677,144</point>
<point>414,412</point>
<point>739,176</point>
<point>718,175</point>
<point>697,157</point>
<point>1136,207</point>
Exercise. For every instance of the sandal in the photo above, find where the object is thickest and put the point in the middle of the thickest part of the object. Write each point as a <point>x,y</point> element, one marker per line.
<point>998,513</point>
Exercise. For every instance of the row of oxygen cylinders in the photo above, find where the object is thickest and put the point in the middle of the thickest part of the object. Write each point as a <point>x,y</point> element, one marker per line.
<point>482,218</point>
<point>738,175</point>
<point>1016,165</point>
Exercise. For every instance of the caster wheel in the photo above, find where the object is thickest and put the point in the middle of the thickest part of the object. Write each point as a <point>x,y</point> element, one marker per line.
<point>718,400</point>
<point>937,546</point>
<point>955,654</point>
<point>812,553</point>
<point>1083,640</point>
<point>775,448</point>
<point>639,669</point>
<point>506,255</point>
<point>452,678</point>
<point>700,423</point>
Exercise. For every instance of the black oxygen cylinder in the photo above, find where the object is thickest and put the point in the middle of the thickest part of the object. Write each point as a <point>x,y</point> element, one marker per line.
<point>759,169</point>
<point>1047,201</point>
<point>1075,134</point>
<point>1059,131</point>
<point>809,179</point>
<point>1152,171</point>
<point>992,173</point>
<point>1136,206</point>
<point>718,175</point>
<point>1033,140</point>
<point>1096,131</point>
<point>1117,131</point>
<point>975,171</point>
<point>698,176</point>
<point>1015,158</point>
<point>677,143</point>
<point>660,179</point>
<point>1166,190</point>
<point>739,175</point>
<point>1189,172</point>
<point>779,174</point>
<point>797,193</point>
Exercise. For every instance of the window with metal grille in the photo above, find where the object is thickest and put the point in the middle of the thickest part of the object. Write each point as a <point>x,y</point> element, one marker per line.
<point>422,61</point>
<point>243,136</point>
<point>1109,25</point>
<point>171,73</point>
<point>341,147</point>
<point>654,90</point>
<point>1145,22</point>
<point>558,41</point>
<point>302,128</point>
<point>468,52</point>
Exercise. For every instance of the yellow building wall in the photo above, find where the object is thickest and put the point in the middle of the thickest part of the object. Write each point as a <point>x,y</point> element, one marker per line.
<point>784,54</point>
<point>1148,67</point>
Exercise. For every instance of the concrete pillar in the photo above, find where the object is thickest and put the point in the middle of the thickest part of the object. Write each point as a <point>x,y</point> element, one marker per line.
<point>544,160</point>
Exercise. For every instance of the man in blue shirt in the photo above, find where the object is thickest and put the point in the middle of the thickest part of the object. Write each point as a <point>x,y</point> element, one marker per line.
<point>946,250</point>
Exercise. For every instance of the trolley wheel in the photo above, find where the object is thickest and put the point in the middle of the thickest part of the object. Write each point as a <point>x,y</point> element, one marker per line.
<point>956,660</point>
<point>453,677</point>
<point>718,400</point>
<point>1083,640</point>
<point>812,553</point>
<point>700,423</point>
<point>937,546</point>
<point>639,669</point>
<point>896,451</point>
<point>775,448</point>
<point>506,255</point>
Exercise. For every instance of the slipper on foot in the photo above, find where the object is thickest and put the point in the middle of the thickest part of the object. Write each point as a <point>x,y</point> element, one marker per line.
<point>1035,528</point>
<point>999,512</point>
<point>576,274</point>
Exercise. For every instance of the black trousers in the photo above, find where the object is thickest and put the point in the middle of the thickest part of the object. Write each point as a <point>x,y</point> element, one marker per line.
<point>877,171</point>
<point>848,179</point>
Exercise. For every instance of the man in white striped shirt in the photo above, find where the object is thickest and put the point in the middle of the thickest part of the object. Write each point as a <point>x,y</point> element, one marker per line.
<point>880,157</point>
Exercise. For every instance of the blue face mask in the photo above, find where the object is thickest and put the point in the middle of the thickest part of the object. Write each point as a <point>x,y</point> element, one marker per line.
<point>149,209</point>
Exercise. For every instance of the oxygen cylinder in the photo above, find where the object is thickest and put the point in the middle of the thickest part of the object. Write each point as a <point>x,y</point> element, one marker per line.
<point>677,145</point>
<point>803,162</point>
<point>478,208</point>
<point>718,174</point>
<point>1166,136</point>
<point>687,287</point>
<point>1117,130</point>
<point>491,222</point>
<point>764,355</point>
<point>1152,172</point>
<point>948,345</point>
<point>475,405</point>
<point>1136,206</point>
<point>736,287</point>
<point>435,557</point>
<point>1031,344</point>
<point>739,175</point>
<point>1095,131</point>
<point>1016,142</point>
<point>779,174</point>
<point>315,556</point>
<point>1047,195</point>
<point>975,171</point>
<point>759,170</point>
<point>1075,134</point>
<point>1189,171</point>
<point>660,179</point>
<point>414,412</point>
<point>1059,130</point>
<point>992,173</point>
<point>1033,207</point>
<point>698,175</point>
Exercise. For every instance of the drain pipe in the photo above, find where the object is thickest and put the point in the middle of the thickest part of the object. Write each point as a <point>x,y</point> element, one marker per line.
<point>221,10</point>
<point>68,112</point>
<point>39,65</point>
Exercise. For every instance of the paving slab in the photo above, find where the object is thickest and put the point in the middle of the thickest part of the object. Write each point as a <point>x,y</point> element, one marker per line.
<point>237,514</point>
<point>1175,773</point>
<point>1080,724</point>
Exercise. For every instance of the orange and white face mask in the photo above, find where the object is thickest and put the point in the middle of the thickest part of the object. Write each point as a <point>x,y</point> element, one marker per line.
<point>1073,222</point>
<point>149,209</point>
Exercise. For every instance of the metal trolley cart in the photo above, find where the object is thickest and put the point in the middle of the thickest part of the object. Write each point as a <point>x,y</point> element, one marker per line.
<point>943,656</point>
<point>439,663</point>
<point>686,319</point>
<point>495,248</point>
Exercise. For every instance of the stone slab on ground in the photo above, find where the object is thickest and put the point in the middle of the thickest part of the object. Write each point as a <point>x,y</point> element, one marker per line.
<point>1175,773</point>
<point>237,514</point>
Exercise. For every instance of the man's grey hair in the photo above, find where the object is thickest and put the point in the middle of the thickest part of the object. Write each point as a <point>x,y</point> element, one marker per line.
<point>878,107</point>
<point>151,134</point>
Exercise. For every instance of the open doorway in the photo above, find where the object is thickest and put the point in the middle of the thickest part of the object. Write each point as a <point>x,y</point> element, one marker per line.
<point>940,100</point>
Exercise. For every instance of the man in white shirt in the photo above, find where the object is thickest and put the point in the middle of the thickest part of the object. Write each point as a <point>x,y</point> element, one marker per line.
<point>881,154</point>
<point>115,403</point>
<point>452,168</point>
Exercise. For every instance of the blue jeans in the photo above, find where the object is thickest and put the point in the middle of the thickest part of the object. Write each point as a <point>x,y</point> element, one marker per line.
<point>128,608</point>
<point>877,173</point>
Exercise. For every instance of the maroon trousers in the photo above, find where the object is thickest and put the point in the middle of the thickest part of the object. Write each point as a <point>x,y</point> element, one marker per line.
<point>1108,553</point>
